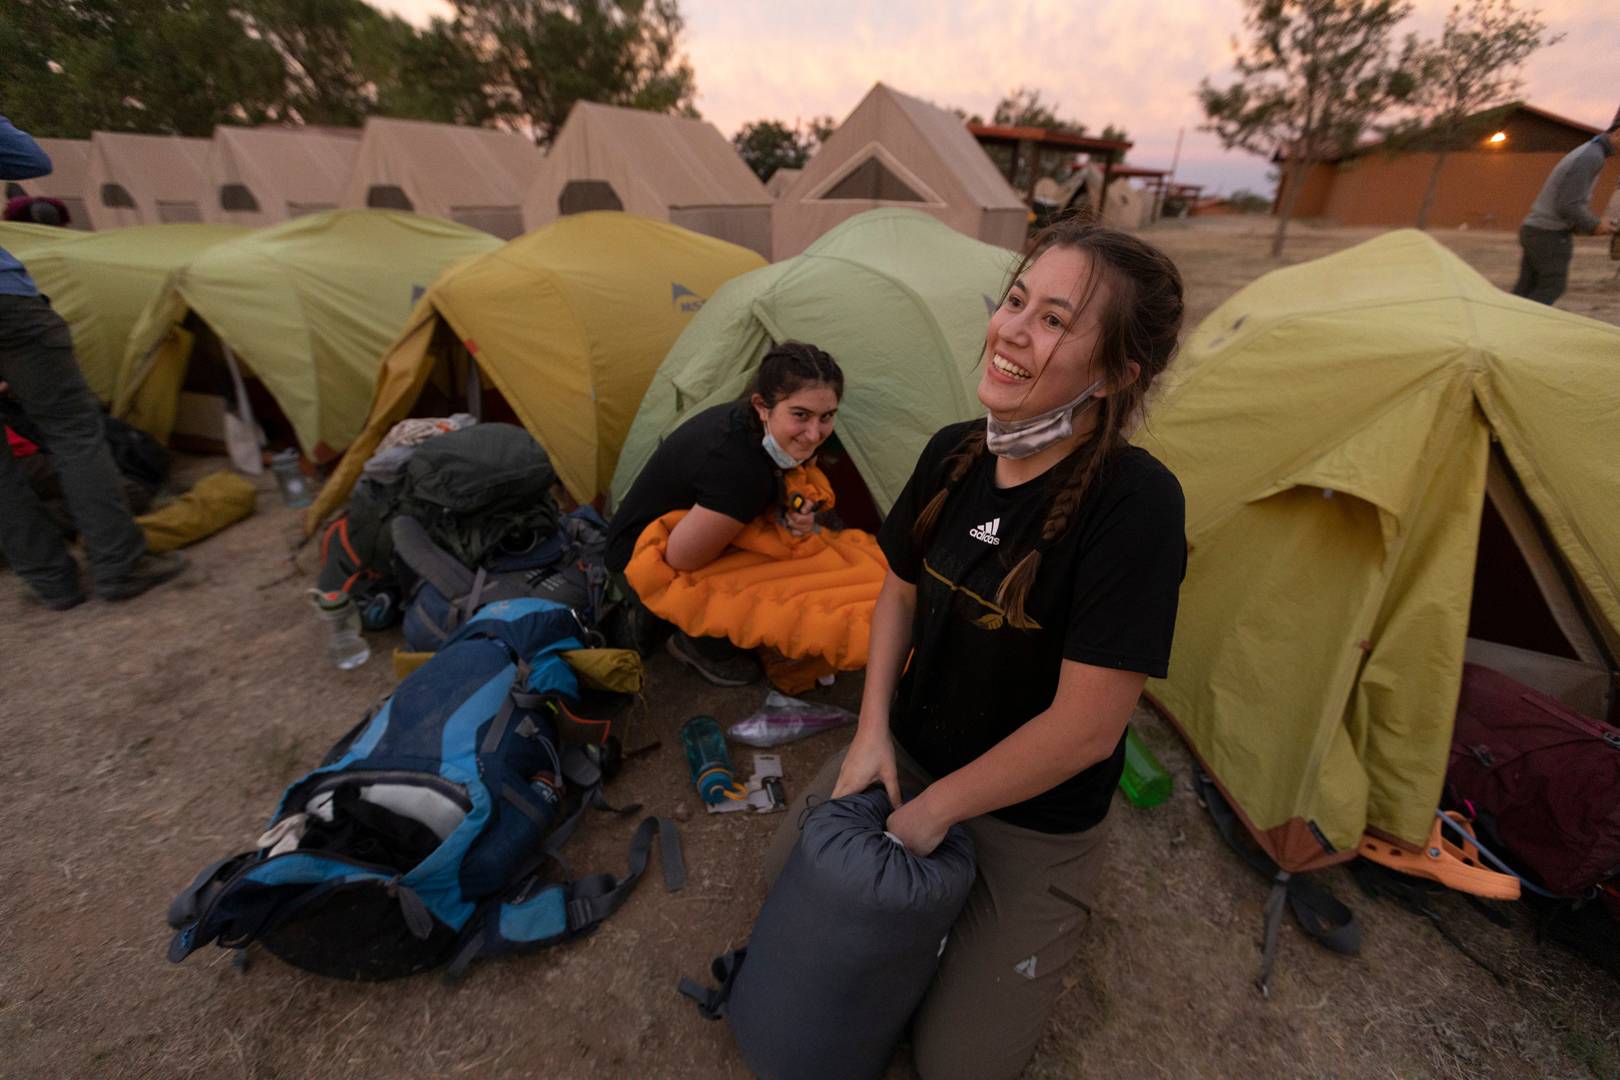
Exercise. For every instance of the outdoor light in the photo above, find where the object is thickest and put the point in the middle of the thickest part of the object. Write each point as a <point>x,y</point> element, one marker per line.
<point>1498,139</point>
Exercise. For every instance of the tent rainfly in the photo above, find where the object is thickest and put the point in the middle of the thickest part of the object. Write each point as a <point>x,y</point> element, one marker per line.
<point>267,175</point>
<point>895,150</point>
<point>68,180</point>
<point>101,282</point>
<point>900,300</point>
<point>146,179</point>
<point>303,309</point>
<point>666,167</point>
<point>1391,466</point>
<point>474,176</point>
<point>563,327</point>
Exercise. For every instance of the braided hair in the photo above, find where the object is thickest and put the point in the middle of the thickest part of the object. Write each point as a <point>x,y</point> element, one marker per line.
<point>1139,324</point>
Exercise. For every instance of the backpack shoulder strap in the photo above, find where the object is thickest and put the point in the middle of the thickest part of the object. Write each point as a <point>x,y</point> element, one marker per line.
<point>534,915</point>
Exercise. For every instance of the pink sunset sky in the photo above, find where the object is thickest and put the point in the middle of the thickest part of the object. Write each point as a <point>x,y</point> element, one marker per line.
<point>1135,63</point>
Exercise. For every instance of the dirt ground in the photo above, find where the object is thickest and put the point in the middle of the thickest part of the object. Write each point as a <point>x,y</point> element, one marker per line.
<point>142,741</point>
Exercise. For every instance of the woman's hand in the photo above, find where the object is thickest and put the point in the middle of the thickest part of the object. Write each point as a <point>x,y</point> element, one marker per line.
<point>870,760</point>
<point>917,827</point>
<point>799,524</point>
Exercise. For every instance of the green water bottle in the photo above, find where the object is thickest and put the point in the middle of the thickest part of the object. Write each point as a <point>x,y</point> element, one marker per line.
<point>1144,781</point>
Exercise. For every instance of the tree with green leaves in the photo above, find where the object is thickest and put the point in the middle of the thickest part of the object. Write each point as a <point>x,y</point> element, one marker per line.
<point>1025,107</point>
<point>1474,64</point>
<point>163,66</point>
<point>1313,75</point>
<point>541,56</point>
<point>768,145</point>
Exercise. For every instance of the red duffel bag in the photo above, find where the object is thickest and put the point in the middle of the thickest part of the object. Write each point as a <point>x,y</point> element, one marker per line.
<point>1544,779</point>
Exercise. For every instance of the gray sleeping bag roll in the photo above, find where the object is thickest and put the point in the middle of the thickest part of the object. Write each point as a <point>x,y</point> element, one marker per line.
<point>844,947</point>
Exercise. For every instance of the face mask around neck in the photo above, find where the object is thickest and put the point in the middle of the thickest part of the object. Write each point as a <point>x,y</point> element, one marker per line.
<point>781,457</point>
<point>1018,439</point>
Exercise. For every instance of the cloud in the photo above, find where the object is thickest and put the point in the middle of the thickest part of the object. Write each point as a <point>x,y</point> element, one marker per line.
<point>1135,63</point>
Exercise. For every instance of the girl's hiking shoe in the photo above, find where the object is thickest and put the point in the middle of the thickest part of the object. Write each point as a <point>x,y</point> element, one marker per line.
<point>717,660</point>
<point>149,570</point>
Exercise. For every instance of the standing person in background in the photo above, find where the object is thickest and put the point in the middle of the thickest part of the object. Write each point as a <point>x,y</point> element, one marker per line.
<point>38,372</point>
<point>1561,209</point>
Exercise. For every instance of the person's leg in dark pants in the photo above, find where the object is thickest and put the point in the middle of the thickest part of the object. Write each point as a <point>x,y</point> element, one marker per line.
<point>36,360</point>
<point>1547,255</point>
<point>1527,269</point>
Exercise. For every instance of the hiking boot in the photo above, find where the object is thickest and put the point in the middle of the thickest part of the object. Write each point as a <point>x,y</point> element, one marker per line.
<point>149,570</point>
<point>61,602</point>
<point>728,666</point>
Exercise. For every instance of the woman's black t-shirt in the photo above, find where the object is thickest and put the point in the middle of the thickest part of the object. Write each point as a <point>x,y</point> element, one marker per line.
<point>1105,595</point>
<point>714,460</point>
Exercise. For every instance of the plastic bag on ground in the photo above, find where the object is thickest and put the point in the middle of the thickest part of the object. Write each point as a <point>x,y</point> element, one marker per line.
<point>784,719</point>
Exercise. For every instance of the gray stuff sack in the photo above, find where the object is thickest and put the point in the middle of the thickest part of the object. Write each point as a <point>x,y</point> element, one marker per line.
<point>844,948</point>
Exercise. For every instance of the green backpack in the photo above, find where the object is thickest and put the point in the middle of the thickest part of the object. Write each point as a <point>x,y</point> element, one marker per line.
<point>482,492</point>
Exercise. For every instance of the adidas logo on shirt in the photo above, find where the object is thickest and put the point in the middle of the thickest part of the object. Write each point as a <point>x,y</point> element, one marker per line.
<point>988,532</point>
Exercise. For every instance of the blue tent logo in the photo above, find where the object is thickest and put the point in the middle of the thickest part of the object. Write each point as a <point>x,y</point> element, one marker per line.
<point>684,298</point>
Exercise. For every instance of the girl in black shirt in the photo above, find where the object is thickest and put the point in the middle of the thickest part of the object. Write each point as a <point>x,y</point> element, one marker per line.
<point>724,466</point>
<point>1035,559</point>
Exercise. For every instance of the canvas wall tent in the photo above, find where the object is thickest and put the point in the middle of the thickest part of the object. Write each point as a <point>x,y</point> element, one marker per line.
<point>895,150</point>
<point>900,300</point>
<point>1351,433</point>
<point>666,167</point>
<point>146,179</point>
<point>267,175</point>
<point>560,329</point>
<point>101,282</point>
<point>306,307</point>
<point>1129,207</point>
<point>780,181</point>
<point>68,179</point>
<point>474,176</point>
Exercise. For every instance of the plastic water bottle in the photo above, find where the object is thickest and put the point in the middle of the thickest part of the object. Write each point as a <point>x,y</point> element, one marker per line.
<point>295,490</point>
<point>1144,780</point>
<point>708,759</point>
<point>345,648</point>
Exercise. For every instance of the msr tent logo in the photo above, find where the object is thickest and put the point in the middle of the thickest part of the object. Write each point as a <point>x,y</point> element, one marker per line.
<point>684,298</point>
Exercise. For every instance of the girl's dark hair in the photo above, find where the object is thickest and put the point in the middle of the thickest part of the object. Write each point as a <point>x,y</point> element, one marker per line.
<point>789,368</point>
<point>1140,323</point>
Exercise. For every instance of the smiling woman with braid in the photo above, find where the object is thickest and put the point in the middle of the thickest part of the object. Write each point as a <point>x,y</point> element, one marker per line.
<point>1035,560</point>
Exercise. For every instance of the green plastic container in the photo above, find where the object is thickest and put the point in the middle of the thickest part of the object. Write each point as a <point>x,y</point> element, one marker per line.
<point>1144,781</point>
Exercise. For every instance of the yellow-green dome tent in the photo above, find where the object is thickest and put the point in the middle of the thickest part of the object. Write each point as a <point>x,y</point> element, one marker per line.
<point>101,282</point>
<point>307,307</point>
<point>899,299</point>
<point>1344,430</point>
<point>567,323</point>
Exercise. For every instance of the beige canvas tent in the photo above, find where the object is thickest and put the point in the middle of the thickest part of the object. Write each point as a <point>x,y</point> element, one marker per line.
<point>895,150</point>
<point>146,179</point>
<point>267,175</point>
<point>474,176</point>
<point>780,181</point>
<point>664,167</point>
<point>1129,207</point>
<point>70,168</point>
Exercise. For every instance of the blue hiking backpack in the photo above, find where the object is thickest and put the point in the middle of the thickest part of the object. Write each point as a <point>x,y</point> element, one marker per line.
<point>419,839</point>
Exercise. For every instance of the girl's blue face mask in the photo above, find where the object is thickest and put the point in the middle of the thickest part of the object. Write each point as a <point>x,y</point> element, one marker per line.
<point>781,457</point>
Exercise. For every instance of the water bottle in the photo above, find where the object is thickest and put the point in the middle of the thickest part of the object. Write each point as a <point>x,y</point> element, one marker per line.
<point>708,760</point>
<point>345,648</point>
<point>1144,780</point>
<point>295,490</point>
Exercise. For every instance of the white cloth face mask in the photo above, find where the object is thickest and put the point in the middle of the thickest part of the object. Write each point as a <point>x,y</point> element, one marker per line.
<point>1017,439</point>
